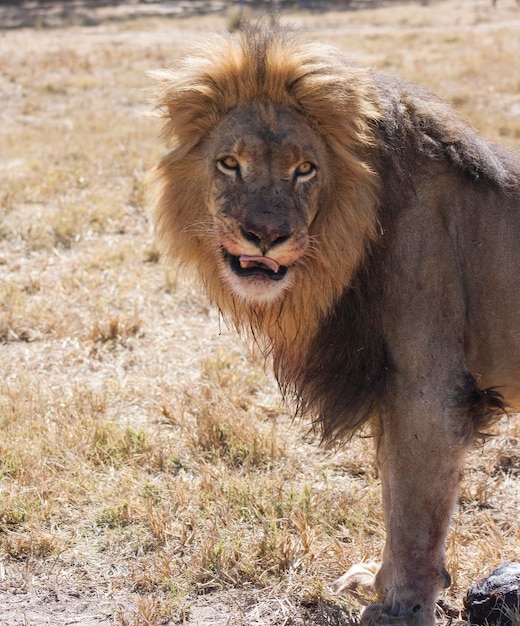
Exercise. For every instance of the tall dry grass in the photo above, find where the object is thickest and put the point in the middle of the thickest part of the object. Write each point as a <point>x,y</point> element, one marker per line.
<point>148,472</point>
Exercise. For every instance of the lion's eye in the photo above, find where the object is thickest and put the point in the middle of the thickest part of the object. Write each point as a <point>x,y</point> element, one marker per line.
<point>228,165</point>
<point>305,171</point>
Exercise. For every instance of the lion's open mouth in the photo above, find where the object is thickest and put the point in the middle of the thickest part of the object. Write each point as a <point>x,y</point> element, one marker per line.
<point>246,265</point>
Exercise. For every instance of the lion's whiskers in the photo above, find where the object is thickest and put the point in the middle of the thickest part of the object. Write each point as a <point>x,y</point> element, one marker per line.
<point>203,227</point>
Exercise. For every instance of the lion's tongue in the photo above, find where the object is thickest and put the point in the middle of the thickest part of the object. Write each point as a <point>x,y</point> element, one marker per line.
<point>247,261</point>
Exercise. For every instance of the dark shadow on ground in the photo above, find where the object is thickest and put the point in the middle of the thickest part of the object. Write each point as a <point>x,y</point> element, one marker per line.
<point>56,13</point>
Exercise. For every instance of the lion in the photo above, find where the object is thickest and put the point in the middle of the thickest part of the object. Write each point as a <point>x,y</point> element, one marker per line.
<point>366,237</point>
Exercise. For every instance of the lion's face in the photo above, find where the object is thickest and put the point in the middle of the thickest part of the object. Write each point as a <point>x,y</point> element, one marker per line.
<point>266,167</point>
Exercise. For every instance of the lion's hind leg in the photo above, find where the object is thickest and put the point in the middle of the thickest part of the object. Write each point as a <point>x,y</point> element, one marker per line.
<point>358,582</point>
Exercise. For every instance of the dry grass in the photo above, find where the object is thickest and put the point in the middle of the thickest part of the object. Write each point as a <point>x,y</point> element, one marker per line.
<point>148,472</point>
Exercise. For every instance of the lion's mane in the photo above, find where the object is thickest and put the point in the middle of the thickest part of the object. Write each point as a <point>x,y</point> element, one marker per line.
<point>325,335</point>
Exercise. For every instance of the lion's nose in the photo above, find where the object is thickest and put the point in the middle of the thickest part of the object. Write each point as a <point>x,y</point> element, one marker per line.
<point>266,234</point>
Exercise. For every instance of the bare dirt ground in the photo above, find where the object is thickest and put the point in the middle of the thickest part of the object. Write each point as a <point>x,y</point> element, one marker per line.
<point>148,472</point>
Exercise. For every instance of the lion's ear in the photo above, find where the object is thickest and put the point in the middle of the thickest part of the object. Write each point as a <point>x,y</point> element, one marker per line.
<point>188,110</point>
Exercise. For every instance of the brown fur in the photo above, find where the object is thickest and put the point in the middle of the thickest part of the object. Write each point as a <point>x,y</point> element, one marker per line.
<point>399,307</point>
<point>365,120</point>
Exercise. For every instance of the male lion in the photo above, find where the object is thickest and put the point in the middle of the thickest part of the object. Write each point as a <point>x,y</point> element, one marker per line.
<point>368,239</point>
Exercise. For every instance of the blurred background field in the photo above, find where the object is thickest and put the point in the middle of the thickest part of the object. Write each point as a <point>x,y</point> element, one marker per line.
<point>149,473</point>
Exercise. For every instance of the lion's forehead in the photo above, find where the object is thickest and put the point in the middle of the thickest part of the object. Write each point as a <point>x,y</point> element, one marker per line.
<point>280,138</point>
<point>281,154</point>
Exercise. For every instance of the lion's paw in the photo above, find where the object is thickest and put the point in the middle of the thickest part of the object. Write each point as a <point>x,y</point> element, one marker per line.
<point>358,581</point>
<point>379,615</point>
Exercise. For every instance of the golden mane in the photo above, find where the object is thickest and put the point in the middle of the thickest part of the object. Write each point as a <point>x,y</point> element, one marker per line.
<point>338,99</point>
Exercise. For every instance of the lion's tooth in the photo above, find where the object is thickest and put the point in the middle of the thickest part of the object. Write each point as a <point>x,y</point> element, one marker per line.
<point>244,264</point>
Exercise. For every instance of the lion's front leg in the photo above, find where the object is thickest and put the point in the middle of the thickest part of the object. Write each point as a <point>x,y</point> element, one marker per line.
<point>421,449</point>
<point>420,456</point>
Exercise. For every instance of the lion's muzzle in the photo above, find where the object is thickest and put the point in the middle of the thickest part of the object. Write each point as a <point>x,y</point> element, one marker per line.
<point>260,246</point>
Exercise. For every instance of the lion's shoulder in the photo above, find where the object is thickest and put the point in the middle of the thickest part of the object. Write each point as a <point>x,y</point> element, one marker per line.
<point>415,122</point>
